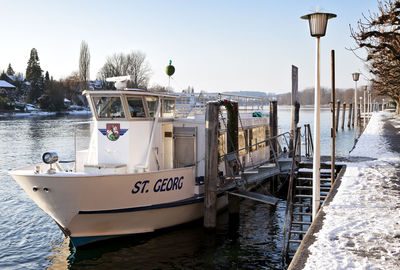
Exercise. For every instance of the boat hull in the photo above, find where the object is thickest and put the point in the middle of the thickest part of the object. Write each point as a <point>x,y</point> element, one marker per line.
<point>96,206</point>
<point>90,227</point>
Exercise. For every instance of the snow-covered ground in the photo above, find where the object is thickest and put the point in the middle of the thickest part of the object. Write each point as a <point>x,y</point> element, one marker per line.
<point>361,228</point>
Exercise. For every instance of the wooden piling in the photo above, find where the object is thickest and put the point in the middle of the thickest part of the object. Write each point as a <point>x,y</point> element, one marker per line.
<point>273,123</point>
<point>353,115</point>
<point>233,208</point>
<point>211,170</point>
<point>350,113</point>
<point>232,140</point>
<point>337,115</point>
<point>343,114</point>
<point>294,101</point>
<point>232,146</point>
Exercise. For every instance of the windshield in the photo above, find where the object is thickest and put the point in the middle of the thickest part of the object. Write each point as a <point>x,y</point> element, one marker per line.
<point>108,107</point>
<point>136,107</point>
<point>168,108</point>
<point>152,103</point>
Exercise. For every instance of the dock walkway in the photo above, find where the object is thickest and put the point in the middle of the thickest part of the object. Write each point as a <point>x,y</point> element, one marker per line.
<point>359,226</point>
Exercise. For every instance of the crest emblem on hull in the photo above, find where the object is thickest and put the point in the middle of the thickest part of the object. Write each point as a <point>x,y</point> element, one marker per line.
<point>113,131</point>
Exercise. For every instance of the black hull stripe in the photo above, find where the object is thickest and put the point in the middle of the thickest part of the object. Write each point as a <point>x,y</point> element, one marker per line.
<point>149,207</point>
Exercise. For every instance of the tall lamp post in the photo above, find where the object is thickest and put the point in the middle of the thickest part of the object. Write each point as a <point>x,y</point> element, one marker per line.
<point>369,104</point>
<point>359,128</point>
<point>318,22</point>
<point>365,109</point>
<point>356,76</point>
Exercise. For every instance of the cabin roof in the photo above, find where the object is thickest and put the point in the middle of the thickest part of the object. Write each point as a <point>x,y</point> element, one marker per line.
<point>4,84</point>
<point>135,92</point>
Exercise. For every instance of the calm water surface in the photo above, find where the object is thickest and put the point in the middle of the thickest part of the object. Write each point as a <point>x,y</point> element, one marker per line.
<point>29,239</point>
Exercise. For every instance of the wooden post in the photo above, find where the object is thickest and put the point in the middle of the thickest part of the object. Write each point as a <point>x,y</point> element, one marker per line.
<point>211,170</point>
<point>232,146</point>
<point>349,119</point>
<point>294,101</point>
<point>333,132</point>
<point>273,123</point>
<point>233,208</point>
<point>353,115</point>
<point>337,115</point>
<point>343,114</point>
<point>232,140</point>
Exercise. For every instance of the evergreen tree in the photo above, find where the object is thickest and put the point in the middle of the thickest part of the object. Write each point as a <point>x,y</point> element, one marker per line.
<point>34,76</point>
<point>3,76</point>
<point>10,70</point>
<point>46,81</point>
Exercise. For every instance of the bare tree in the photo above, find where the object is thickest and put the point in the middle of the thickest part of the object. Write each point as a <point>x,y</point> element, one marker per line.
<point>379,35</point>
<point>133,64</point>
<point>138,68</point>
<point>84,64</point>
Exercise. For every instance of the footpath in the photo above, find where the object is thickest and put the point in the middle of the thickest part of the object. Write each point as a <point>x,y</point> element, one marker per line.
<point>359,225</point>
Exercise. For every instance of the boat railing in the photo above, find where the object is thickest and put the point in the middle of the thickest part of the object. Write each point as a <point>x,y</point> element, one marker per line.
<point>278,148</point>
<point>196,103</point>
<point>144,167</point>
<point>76,124</point>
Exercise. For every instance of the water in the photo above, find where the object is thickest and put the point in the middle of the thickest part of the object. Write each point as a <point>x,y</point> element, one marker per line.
<point>29,239</point>
<point>344,138</point>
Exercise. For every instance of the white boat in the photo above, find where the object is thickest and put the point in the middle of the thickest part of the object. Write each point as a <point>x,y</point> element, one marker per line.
<point>142,171</point>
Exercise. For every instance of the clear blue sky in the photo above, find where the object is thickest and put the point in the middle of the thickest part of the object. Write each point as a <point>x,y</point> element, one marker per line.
<point>215,45</point>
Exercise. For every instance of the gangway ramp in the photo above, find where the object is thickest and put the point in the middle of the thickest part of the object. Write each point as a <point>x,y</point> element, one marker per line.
<point>255,196</point>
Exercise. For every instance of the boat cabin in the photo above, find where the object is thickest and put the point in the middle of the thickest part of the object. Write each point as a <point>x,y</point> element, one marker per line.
<point>126,133</point>
<point>138,131</point>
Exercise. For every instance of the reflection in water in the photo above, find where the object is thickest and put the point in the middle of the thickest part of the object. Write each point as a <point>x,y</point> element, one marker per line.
<point>255,244</point>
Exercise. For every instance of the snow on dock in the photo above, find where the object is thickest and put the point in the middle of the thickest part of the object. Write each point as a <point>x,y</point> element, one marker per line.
<point>361,225</point>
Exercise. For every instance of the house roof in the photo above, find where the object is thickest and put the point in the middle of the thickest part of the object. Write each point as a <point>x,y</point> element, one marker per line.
<point>15,78</point>
<point>4,84</point>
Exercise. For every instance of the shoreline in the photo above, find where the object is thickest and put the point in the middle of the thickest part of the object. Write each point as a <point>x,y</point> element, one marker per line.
<point>43,113</point>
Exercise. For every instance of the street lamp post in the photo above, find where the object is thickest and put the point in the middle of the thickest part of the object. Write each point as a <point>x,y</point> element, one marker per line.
<point>317,22</point>
<point>356,76</point>
<point>359,133</point>
<point>364,109</point>
<point>369,104</point>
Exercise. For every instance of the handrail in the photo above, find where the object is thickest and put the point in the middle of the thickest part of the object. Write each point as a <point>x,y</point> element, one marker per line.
<point>308,141</point>
<point>150,146</point>
<point>289,200</point>
<point>197,102</point>
<point>75,125</point>
<point>266,141</point>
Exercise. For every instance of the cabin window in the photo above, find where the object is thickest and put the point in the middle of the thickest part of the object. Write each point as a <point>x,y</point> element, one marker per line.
<point>152,103</point>
<point>109,107</point>
<point>136,108</point>
<point>168,108</point>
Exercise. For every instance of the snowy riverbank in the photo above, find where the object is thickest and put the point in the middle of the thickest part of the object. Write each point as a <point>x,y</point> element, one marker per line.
<point>361,227</point>
<point>44,113</point>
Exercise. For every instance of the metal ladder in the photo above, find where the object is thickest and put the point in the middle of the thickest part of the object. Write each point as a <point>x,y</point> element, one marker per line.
<point>300,206</point>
